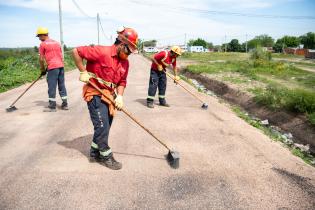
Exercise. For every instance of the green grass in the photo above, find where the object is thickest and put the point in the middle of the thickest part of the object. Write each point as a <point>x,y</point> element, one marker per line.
<point>17,68</point>
<point>276,136</point>
<point>288,87</point>
<point>281,55</point>
<point>214,56</point>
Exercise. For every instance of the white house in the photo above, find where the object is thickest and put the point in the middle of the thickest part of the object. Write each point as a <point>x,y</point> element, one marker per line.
<point>195,49</point>
<point>150,49</point>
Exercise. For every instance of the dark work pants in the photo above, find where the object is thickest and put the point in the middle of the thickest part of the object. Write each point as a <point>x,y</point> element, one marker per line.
<point>54,77</point>
<point>157,81</point>
<point>102,122</point>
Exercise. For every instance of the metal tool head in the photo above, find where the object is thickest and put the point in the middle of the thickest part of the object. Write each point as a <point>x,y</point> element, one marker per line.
<point>173,159</point>
<point>11,109</point>
<point>204,106</point>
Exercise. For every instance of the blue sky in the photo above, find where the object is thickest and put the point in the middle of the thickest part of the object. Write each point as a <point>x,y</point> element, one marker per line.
<point>166,21</point>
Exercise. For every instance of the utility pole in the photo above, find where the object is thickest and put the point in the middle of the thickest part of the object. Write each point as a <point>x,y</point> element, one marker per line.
<point>98,28</point>
<point>185,39</point>
<point>225,43</point>
<point>61,32</point>
<point>246,43</point>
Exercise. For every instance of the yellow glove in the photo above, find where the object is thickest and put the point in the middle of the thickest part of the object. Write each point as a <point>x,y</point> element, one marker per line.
<point>119,102</point>
<point>84,76</point>
<point>176,79</point>
<point>160,67</point>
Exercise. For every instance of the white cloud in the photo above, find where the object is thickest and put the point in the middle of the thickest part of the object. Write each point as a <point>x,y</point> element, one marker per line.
<point>168,20</point>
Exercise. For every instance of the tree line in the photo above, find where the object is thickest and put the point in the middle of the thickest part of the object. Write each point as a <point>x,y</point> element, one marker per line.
<point>264,40</point>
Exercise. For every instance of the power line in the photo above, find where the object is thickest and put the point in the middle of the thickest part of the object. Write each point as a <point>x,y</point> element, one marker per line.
<point>107,37</point>
<point>216,12</point>
<point>81,10</point>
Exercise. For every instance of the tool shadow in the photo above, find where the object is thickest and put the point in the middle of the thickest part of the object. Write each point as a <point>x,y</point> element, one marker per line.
<point>83,145</point>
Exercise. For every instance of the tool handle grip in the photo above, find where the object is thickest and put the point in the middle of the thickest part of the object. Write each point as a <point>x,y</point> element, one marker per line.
<point>130,116</point>
<point>26,90</point>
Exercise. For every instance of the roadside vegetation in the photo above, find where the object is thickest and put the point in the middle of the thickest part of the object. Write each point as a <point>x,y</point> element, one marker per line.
<point>19,66</point>
<point>283,86</point>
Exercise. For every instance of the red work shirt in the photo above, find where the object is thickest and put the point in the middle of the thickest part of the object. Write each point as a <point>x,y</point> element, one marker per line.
<point>166,57</point>
<point>51,51</point>
<point>104,62</point>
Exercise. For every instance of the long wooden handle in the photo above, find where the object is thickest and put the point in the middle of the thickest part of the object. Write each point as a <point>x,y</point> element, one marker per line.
<point>26,90</point>
<point>132,117</point>
<point>169,75</point>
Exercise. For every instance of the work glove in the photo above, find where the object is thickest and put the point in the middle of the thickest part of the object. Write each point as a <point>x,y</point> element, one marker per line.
<point>176,79</point>
<point>84,76</point>
<point>119,102</point>
<point>160,67</point>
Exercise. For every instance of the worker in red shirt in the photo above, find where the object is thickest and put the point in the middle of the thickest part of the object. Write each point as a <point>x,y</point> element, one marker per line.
<point>51,61</point>
<point>158,79</point>
<point>107,67</point>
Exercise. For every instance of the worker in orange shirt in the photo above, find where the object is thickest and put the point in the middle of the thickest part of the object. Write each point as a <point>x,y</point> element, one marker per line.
<point>107,67</point>
<point>51,61</point>
<point>158,78</point>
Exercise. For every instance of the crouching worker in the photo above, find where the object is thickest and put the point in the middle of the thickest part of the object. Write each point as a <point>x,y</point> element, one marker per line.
<point>107,67</point>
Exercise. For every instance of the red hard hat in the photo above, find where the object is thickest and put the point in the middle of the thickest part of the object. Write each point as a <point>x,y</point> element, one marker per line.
<point>130,37</point>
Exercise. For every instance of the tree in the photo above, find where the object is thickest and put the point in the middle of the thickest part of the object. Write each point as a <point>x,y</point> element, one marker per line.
<point>262,40</point>
<point>65,48</point>
<point>198,42</point>
<point>210,45</point>
<point>286,41</point>
<point>149,43</point>
<point>36,49</point>
<point>308,40</point>
<point>234,46</point>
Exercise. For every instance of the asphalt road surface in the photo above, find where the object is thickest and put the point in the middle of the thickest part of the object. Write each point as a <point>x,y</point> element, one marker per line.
<point>225,163</point>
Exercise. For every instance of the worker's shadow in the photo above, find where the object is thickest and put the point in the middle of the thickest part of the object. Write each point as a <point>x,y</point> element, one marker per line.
<point>83,145</point>
<point>41,103</point>
<point>142,101</point>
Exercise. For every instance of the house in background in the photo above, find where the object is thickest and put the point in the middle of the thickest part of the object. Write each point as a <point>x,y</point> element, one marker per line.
<point>310,54</point>
<point>196,49</point>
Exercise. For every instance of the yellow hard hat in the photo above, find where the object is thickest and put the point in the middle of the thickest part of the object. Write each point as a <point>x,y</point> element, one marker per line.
<point>177,50</point>
<point>41,30</point>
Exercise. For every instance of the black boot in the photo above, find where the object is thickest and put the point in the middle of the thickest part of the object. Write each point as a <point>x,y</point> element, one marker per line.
<point>64,105</point>
<point>51,107</point>
<point>150,104</point>
<point>109,162</point>
<point>163,102</point>
<point>94,153</point>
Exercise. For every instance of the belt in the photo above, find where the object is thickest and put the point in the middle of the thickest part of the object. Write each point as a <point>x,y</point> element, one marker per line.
<point>108,84</point>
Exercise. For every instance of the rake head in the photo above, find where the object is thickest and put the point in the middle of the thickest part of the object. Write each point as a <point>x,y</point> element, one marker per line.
<point>173,159</point>
<point>11,109</point>
<point>204,106</point>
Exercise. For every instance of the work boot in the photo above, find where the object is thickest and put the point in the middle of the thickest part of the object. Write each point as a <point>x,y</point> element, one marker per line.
<point>64,105</point>
<point>94,153</point>
<point>150,104</point>
<point>163,103</point>
<point>51,107</point>
<point>109,162</point>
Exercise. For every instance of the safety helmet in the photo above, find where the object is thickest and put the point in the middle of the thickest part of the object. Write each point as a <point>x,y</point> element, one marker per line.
<point>41,30</point>
<point>177,50</point>
<point>128,36</point>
